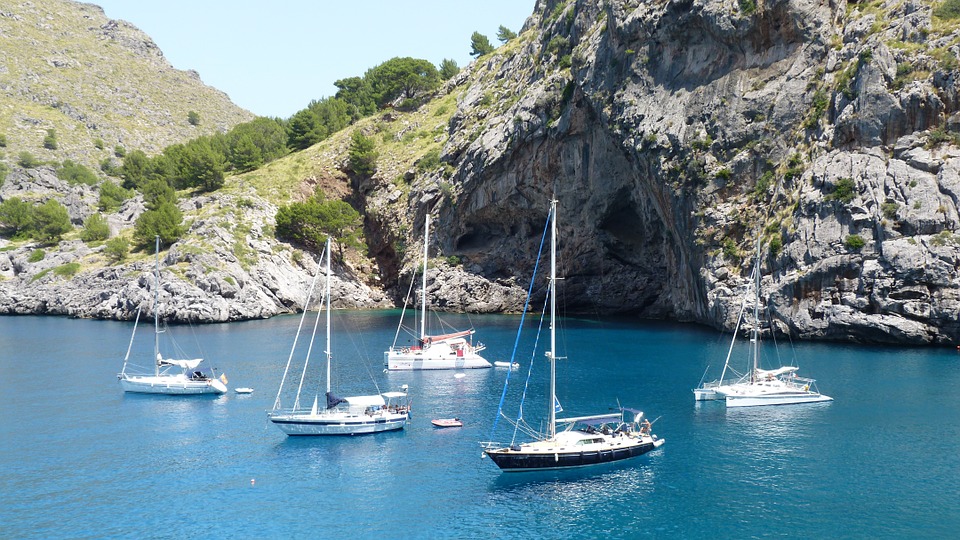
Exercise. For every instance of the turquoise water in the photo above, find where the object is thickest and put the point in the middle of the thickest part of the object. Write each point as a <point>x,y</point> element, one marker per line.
<point>80,459</point>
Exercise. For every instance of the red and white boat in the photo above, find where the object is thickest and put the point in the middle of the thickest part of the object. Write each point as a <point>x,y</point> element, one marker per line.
<point>446,422</point>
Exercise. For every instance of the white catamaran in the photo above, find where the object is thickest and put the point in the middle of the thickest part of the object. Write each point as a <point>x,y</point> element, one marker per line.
<point>587,440</point>
<point>454,350</point>
<point>170,376</point>
<point>781,386</point>
<point>354,415</point>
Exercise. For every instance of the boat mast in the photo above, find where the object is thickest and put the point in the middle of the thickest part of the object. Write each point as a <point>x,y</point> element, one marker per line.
<point>553,313</point>
<point>423,297</point>
<point>327,293</point>
<point>156,310</point>
<point>755,337</point>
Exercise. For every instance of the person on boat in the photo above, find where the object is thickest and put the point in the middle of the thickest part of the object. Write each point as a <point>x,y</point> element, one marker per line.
<point>645,427</point>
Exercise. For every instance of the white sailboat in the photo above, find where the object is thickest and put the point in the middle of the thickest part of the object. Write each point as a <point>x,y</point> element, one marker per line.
<point>454,350</point>
<point>170,376</point>
<point>586,440</point>
<point>353,415</point>
<point>781,386</point>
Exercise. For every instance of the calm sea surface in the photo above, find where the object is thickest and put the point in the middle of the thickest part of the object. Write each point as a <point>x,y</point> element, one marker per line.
<point>80,459</point>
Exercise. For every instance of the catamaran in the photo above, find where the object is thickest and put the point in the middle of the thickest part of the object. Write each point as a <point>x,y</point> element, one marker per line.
<point>355,415</point>
<point>453,350</point>
<point>781,386</point>
<point>170,376</point>
<point>586,440</point>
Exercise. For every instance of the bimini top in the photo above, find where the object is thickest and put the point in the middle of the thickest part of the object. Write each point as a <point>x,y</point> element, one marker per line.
<point>594,420</point>
<point>185,364</point>
<point>445,337</point>
<point>771,373</point>
<point>365,401</point>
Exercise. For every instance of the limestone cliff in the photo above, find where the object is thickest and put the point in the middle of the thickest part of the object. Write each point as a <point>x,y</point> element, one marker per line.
<point>674,131</point>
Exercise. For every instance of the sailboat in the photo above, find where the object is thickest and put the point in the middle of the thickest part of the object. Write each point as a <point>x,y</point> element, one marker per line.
<point>170,376</point>
<point>781,386</point>
<point>586,440</point>
<point>454,350</point>
<point>354,415</point>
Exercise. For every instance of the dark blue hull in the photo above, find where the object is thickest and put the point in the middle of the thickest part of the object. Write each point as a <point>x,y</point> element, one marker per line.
<point>517,461</point>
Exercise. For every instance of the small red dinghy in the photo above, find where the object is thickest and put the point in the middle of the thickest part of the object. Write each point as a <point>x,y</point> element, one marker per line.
<point>447,422</point>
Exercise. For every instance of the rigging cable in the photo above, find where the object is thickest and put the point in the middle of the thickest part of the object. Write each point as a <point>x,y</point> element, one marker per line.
<point>516,343</point>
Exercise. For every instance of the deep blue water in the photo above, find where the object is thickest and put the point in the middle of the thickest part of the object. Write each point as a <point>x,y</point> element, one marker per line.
<point>80,459</point>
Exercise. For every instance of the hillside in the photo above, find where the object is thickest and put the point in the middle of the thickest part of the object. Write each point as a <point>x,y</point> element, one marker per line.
<point>97,82</point>
<point>671,132</point>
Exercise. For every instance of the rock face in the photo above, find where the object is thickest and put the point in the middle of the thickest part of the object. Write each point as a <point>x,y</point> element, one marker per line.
<point>220,272</point>
<point>672,133</point>
<point>677,136</point>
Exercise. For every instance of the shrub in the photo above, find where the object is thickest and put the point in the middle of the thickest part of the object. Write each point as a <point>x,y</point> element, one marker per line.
<point>37,255</point>
<point>890,209</point>
<point>194,118</point>
<point>27,160</point>
<point>50,140</point>
<point>95,228</point>
<point>844,191</point>
<point>51,221</point>
<point>75,173</point>
<point>730,251</point>
<point>362,155</point>
<point>117,248</point>
<point>854,242</point>
<point>112,196</point>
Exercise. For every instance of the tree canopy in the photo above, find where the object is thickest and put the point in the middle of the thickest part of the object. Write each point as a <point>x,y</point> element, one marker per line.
<point>480,45</point>
<point>504,34</point>
<point>309,223</point>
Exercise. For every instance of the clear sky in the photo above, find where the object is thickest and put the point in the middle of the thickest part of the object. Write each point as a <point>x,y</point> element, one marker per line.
<point>273,57</point>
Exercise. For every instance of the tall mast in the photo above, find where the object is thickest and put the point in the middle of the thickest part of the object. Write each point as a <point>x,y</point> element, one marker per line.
<point>423,294</point>
<point>156,309</point>
<point>756,314</point>
<point>327,293</point>
<point>553,313</point>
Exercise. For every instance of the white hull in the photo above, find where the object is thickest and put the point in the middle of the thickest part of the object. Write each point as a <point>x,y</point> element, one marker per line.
<point>734,400</point>
<point>170,384</point>
<point>337,424</point>
<point>398,360</point>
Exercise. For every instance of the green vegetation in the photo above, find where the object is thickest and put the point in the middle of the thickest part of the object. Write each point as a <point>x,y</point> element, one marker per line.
<point>75,173</point>
<point>36,256</point>
<point>46,222</point>
<point>362,155</point>
<point>479,45</point>
<point>748,7</point>
<point>854,242</point>
<point>504,34</point>
<point>67,270</point>
<point>730,250</point>
<point>50,140</point>
<point>95,228</point>
<point>112,196</point>
<point>448,68</point>
<point>948,10</point>
<point>844,191</point>
<point>28,161</point>
<point>890,209</point>
<point>117,249</point>
<point>193,117</point>
<point>162,217</point>
<point>776,244</point>
<point>310,223</point>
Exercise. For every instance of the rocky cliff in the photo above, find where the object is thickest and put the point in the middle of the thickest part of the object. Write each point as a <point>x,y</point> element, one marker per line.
<point>676,135</point>
<point>674,132</point>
